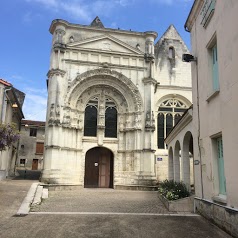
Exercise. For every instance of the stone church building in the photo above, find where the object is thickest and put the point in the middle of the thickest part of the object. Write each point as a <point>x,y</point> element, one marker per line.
<point>113,96</point>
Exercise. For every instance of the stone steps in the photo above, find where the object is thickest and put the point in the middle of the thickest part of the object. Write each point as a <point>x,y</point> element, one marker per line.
<point>41,193</point>
<point>34,197</point>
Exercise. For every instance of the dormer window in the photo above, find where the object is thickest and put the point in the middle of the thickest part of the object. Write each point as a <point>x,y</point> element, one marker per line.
<point>171,53</point>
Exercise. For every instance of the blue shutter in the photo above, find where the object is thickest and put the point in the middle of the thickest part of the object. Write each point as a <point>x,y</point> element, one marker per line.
<point>215,76</point>
<point>222,179</point>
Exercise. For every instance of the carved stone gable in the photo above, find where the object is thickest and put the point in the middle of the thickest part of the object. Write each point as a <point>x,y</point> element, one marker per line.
<point>105,43</point>
<point>97,23</point>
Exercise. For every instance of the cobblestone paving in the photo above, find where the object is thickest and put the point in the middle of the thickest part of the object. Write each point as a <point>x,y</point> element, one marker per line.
<point>101,200</point>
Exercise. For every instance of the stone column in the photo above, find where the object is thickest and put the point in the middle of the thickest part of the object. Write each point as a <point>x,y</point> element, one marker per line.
<point>171,165</point>
<point>147,170</point>
<point>185,166</point>
<point>176,164</point>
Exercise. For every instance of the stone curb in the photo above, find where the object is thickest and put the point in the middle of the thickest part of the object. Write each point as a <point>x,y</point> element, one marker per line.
<point>25,206</point>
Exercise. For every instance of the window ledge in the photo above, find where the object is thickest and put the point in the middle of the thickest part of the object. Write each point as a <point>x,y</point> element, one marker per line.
<point>212,95</point>
<point>221,199</point>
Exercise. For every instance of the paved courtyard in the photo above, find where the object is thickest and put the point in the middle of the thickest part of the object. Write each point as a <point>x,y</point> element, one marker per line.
<point>75,214</point>
<point>102,200</point>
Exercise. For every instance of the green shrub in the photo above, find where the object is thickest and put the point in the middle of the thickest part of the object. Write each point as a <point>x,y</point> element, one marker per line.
<point>173,190</point>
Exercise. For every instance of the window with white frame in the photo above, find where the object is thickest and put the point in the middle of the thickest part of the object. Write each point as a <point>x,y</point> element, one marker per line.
<point>169,113</point>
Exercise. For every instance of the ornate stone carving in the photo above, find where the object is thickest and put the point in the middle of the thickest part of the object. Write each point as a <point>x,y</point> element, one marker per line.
<point>121,123</point>
<point>149,51</point>
<point>66,117</point>
<point>54,115</point>
<point>149,121</point>
<point>101,119</point>
<point>59,33</point>
<point>110,75</point>
<point>137,122</point>
<point>71,39</point>
<point>57,72</point>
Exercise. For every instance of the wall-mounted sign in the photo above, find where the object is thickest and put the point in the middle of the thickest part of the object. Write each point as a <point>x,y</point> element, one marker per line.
<point>207,11</point>
<point>159,159</point>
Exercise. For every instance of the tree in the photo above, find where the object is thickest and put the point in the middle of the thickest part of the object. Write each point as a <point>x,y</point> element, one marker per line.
<point>8,135</point>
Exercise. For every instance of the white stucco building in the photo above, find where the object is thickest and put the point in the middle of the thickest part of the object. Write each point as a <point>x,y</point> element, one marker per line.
<point>113,96</point>
<point>211,123</point>
<point>11,101</point>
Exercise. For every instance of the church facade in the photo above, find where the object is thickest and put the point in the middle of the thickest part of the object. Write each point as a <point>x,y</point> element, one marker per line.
<point>113,96</point>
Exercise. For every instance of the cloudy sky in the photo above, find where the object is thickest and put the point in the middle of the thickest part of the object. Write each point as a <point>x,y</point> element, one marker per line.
<point>25,40</point>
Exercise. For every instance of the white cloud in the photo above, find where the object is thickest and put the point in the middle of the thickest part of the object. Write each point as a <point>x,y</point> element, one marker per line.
<point>46,3</point>
<point>16,77</point>
<point>170,2</point>
<point>125,3</point>
<point>85,10</point>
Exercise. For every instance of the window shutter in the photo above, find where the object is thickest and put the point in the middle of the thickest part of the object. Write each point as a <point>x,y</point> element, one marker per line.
<point>215,75</point>
<point>39,148</point>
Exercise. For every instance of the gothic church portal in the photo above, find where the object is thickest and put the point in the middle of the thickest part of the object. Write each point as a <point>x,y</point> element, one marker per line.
<point>113,96</point>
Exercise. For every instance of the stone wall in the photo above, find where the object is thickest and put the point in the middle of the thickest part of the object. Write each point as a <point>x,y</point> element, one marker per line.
<point>224,217</point>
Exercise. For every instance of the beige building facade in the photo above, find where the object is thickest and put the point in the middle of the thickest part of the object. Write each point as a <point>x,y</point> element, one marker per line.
<point>212,120</point>
<point>113,95</point>
<point>31,145</point>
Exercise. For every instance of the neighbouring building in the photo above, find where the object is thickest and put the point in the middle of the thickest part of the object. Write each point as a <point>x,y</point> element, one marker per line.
<point>211,123</point>
<point>11,101</point>
<point>31,145</point>
<point>113,96</point>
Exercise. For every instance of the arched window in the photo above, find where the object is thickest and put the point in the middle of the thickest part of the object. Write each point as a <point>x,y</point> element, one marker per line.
<point>170,111</point>
<point>90,118</point>
<point>110,119</point>
<point>107,111</point>
<point>171,52</point>
<point>160,130</point>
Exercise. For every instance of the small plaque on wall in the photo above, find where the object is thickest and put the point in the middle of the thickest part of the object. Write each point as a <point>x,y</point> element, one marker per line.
<point>159,159</point>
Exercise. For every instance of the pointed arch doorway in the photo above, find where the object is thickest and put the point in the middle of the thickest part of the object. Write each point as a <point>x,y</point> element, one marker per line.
<point>98,168</point>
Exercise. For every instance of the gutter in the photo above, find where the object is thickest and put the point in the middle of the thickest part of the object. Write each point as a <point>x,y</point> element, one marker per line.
<point>4,103</point>
<point>185,25</point>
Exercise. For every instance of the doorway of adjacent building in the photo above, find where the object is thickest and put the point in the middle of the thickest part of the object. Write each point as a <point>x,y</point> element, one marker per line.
<point>35,164</point>
<point>98,168</point>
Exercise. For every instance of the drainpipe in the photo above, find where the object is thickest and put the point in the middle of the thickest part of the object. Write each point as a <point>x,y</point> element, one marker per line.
<point>198,104</point>
<point>198,111</point>
<point>4,104</point>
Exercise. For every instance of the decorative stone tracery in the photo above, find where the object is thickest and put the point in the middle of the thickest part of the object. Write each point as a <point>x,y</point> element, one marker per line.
<point>105,77</point>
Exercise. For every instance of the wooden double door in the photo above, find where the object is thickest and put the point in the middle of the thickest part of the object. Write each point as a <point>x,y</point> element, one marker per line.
<point>98,168</point>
